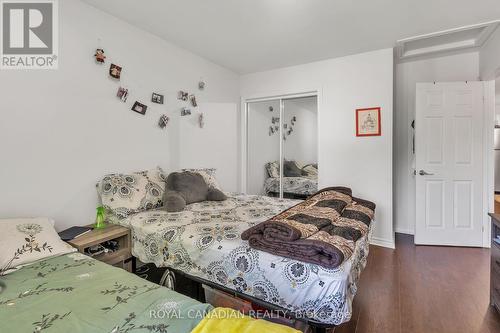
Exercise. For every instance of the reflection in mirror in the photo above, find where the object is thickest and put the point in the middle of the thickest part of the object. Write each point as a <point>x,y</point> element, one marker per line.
<point>263,144</point>
<point>300,147</point>
<point>298,143</point>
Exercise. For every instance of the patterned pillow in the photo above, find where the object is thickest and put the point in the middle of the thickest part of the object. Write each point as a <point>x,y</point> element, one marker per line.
<point>299,165</point>
<point>127,194</point>
<point>208,175</point>
<point>310,171</point>
<point>25,240</point>
<point>273,169</point>
<point>209,171</point>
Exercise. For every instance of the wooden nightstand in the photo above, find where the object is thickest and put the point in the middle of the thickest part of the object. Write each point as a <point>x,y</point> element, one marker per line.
<point>121,258</point>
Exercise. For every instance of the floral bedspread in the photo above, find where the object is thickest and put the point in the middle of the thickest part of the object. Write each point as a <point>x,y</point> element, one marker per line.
<point>204,241</point>
<point>294,185</point>
<point>74,293</point>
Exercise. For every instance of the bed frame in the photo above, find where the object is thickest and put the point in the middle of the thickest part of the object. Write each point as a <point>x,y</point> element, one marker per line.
<point>316,326</point>
<point>289,195</point>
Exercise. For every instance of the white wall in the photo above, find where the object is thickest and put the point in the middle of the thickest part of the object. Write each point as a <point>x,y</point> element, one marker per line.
<point>345,84</point>
<point>459,67</point>
<point>302,144</point>
<point>216,145</point>
<point>490,57</point>
<point>497,101</point>
<point>62,130</point>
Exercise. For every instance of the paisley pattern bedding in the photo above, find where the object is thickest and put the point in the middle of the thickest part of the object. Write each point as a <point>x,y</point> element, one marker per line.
<point>204,241</point>
<point>294,185</point>
<point>126,194</point>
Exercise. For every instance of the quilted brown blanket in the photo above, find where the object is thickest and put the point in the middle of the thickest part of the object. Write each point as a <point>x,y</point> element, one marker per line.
<point>322,229</point>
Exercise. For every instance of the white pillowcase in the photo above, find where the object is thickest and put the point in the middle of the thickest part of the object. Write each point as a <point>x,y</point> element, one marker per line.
<point>26,240</point>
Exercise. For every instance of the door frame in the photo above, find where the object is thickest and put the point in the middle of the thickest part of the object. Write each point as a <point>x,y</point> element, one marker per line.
<point>267,96</point>
<point>489,159</point>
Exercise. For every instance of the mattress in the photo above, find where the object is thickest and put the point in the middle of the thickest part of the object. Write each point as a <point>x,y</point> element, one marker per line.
<point>294,185</point>
<point>204,241</point>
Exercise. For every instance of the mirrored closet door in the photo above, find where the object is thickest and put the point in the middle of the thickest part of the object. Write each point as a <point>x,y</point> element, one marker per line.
<point>263,145</point>
<point>282,147</point>
<point>300,147</point>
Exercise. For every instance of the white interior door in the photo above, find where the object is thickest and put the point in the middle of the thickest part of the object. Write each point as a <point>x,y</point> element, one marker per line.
<point>449,163</point>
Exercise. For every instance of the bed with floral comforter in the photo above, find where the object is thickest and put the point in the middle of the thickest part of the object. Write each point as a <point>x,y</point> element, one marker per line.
<point>204,241</point>
<point>293,185</point>
<point>74,293</point>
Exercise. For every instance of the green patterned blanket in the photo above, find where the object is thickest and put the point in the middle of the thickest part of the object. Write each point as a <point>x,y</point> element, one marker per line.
<point>74,293</point>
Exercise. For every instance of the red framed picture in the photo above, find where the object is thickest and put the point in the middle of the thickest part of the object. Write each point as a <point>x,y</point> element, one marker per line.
<point>368,122</point>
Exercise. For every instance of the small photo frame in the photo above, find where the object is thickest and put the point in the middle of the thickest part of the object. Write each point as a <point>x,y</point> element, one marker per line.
<point>115,71</point>
<point>182,95</point>
<point>201,120</point>
<point>157,98</point>
<point>368,122</point>
<point>139,108</point>
<point>192,98</point>
<point>163,121</point>
<point>122,94</point>
<point>99,56</point>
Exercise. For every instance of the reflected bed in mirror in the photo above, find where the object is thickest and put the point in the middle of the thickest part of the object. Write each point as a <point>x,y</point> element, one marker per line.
<point>294,186</point>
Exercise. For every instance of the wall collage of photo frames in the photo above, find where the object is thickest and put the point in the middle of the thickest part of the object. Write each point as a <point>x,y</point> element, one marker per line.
<point>115,71</point>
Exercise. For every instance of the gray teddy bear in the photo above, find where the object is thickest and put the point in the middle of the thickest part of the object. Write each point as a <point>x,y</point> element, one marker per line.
<point>188,187</point>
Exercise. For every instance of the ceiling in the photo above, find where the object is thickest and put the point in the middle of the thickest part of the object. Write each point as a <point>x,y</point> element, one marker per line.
<point>255,35</point>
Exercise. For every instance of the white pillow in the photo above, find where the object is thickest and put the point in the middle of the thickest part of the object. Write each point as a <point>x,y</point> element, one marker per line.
<point>25,240</point>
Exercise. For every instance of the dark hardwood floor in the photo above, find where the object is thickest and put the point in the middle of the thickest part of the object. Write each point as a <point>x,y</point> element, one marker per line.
<point>424,289</point>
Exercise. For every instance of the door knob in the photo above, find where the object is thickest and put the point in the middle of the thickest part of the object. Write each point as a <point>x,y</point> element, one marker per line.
<point>424,173</point>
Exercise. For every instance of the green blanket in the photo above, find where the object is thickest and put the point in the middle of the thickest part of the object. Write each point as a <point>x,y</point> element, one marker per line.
<point>74,293</point>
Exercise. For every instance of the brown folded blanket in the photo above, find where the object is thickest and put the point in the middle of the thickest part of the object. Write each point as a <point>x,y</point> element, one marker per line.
<point>322,229</point>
